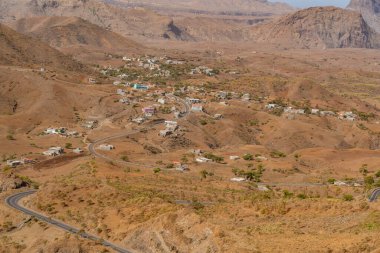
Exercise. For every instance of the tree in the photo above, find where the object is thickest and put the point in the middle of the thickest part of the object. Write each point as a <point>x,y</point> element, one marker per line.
<point>125,158</point>
<point>10,137</point>
<point>68,145</point>
<point>156,170</point>
<point>248,157</point>
<point>348,197</point>
<point>364,170</point>
<point>204,173</point>
<point>331,180</point>
<point>369,180</point>
<point>288,194</point>
<point>377,174</point>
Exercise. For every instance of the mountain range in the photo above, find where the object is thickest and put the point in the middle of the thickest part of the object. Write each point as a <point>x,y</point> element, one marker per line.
<point>255,21</point>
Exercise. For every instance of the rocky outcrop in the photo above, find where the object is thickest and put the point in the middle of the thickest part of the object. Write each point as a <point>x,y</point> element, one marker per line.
<point>320,27</point>
<point>9,181</point>
<point>370,10</point>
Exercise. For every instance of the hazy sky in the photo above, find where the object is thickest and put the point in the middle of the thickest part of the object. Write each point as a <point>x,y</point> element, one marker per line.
<point>309,3</point>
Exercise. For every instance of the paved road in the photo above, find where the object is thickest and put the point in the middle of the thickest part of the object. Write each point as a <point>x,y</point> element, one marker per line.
<point>374,195</point>
<point>13,201</point>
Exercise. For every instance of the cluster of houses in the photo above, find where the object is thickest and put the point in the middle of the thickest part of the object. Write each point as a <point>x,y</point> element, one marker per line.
<point>151,63</point>
<point>56,151</point>
<point>348,116</point>
<point>224,95</point>
<point>202,70</point>
<point>62,131</point>
<point>342,183</point>
<point>134,86</point>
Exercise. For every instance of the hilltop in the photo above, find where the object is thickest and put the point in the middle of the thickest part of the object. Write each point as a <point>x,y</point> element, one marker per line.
<point>224,7</point>
<point>20,50</point>
<point>319,27</point>
<point>73,32</point>
<point>134,22</point>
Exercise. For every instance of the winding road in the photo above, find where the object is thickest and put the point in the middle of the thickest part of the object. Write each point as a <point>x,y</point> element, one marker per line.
<point>14,202</point>
<point>374,195</point>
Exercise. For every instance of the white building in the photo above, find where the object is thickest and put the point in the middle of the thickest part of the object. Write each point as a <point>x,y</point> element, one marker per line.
<point>14,163</point>
<point>246,97</point>
<point>106,147</point>
<point>78,151</point>
<point>238,179</point>
<point>54,151</point>
<point>196,108</point>
<point>271,106</point>
<point>120,92</point>
<point>202,160</point>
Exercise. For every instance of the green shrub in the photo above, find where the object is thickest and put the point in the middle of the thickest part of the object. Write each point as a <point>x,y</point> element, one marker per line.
<point>331,180</point>
<point>277,154</point>
<point>348,197</point>
<point>248,157</point>
<point>287,194</point>
<point>301,196</point>
<point>369,180</point>
<point>125,158</point>
<point>205,174</point>
<point>203,122</point>
<point>10,137</point>
<point>214,158</point>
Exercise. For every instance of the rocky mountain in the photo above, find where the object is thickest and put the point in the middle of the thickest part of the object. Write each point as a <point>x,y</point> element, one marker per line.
<point>72,32</point>
<point>223,7</point>
<point>370,10</point>
<point>124,18</point>
<point>319,27</point>
<point>134,22</point>
<point>21,50</point>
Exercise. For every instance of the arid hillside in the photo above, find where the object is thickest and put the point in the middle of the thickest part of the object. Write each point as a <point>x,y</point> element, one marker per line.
<point>224,7</point>
<point>320,27</point>
<point>127,22</point>
<point>73,32</point>
<point>20,50</point>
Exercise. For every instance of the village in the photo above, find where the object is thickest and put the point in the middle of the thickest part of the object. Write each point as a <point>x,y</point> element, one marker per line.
<point>168,106</point>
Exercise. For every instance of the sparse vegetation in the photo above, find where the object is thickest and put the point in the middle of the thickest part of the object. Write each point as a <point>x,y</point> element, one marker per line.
<point>214,158</point>
<point>10,137</point>
<point>205,174</point>
<point>125,158</point>
<point>277,154</point>
<point>248,157</point>
<point>348,197</point>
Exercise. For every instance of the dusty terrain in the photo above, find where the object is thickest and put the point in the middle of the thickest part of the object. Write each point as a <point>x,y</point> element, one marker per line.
<point>291,129</point>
